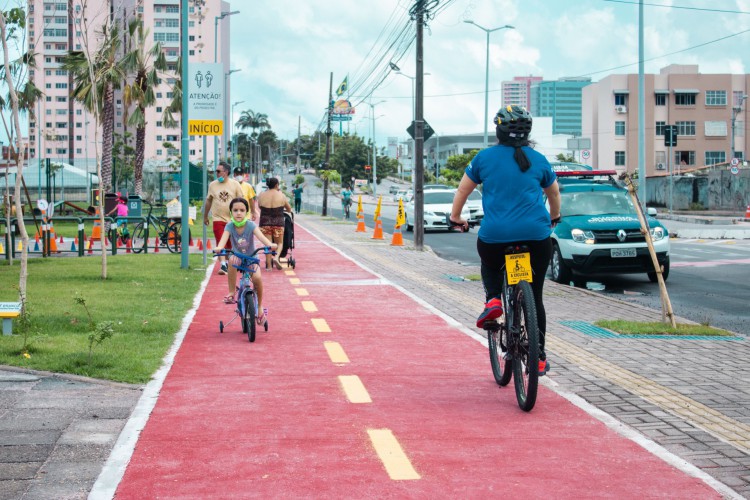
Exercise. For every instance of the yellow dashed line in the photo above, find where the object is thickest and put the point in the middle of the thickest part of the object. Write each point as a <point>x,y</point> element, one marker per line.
<point>302,292</point>
<point>294,281</point>
<point>321,326</point>
<point>290,273</point>
<point>336,352</point>
<point>354,389</point>
<point>394,459</point>
<point>309,306</point>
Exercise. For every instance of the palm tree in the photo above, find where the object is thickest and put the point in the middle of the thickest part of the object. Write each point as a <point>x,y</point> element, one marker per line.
<point>251,119</point>
<point>143,65</point>
<point>108,71</point>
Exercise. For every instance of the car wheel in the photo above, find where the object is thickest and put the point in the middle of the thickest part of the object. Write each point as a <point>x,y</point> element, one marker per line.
<point>409,227</point>
<point>665,273</point>
<point>560,271</point>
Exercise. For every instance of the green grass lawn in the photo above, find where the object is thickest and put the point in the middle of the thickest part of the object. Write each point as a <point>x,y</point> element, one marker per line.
<point>145,297</point>
<point>656,328</point>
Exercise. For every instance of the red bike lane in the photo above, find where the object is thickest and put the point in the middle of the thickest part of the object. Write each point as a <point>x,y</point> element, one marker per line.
<point>358,390</point>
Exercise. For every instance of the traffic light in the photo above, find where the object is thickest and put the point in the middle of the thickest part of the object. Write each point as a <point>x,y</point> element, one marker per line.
<point>368,168</point>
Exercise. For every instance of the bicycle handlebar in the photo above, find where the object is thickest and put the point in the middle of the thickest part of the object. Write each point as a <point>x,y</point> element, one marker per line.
<point>452,224</point>
<point>224,252</point>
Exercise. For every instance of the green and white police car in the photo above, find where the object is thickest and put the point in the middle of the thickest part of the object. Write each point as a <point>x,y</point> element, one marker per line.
<point>600,232</point>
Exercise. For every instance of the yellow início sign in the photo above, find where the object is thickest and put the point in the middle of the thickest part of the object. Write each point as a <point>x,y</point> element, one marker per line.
<point>206,127</point>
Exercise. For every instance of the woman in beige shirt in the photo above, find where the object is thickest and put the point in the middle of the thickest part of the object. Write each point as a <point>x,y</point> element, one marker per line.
<point>273,203</point>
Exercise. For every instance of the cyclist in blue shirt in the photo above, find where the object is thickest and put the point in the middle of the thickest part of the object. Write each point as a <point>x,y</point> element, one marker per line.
<point>515,180</point>
<point>346,201</point>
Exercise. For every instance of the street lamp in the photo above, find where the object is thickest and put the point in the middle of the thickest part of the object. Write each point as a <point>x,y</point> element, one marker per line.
<point>487,71</point>
<point>226,77</point>
<point>234,139</point>
<point>374,150</point>
<point>735,111</point>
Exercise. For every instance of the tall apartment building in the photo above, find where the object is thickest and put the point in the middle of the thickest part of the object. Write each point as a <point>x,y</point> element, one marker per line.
<point>561,100</point>
<point>518,91</point>
<point>63,130</point>
<point>702,106</point>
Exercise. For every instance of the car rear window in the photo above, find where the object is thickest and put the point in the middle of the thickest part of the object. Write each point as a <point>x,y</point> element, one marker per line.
<point>475,195</point>
<point>433,198</point>
<point>596,203</point>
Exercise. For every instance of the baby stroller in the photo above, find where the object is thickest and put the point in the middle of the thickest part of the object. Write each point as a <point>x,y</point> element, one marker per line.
<point>288,240</point>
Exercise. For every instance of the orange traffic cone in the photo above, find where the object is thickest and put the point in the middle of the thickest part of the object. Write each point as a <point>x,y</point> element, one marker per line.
<point>96,232</point>
<point>61,239</point>
<point>747,214</point>
<point>156,244</point>
<point>91,246</point>
<point>378,233</point>
<point>129,246</point>
<point>208,244</point>
<point>361,224</point>
<point>199,246</point>
<point>398,239</point>
<point>52,240</point>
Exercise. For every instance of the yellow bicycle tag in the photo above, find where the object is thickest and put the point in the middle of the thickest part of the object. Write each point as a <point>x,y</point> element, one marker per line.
<point>518,267</point>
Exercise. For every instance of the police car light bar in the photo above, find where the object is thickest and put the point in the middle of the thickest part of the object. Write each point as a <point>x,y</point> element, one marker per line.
<point>586,173</point>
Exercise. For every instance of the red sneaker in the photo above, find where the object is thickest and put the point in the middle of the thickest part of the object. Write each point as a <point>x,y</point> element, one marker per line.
<point>543,367</point>
<point>492,310</point>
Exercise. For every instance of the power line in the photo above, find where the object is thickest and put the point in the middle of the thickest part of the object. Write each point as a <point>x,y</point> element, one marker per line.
<point>722,11</point>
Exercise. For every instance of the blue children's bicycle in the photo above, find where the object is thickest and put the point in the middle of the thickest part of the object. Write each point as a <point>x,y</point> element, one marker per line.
<point>246,299</point>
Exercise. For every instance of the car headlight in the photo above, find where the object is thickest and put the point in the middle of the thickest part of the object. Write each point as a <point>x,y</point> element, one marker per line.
<point>658,233</point>
<point>581,236</point>
<point>428,213</point>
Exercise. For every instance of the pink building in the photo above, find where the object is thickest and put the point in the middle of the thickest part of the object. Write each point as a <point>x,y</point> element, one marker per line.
<point>518,90</point>
<point>703,107</point>
<point>63,129</point>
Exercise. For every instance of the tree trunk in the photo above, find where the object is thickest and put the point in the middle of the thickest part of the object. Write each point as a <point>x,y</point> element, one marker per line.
<point>108,114</point>
<point>140,145</point>
<point>325,196</point>
<point>23,275</point>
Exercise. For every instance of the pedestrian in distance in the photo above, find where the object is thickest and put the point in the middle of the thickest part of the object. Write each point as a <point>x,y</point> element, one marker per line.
<point>122,211</point>
<point>346,201</point>
<point>297,192</point>
<point>240,235</point>
<point>248,191</point>
<point>220,193</point>
<point>515,179</point>
<point>272,204</point>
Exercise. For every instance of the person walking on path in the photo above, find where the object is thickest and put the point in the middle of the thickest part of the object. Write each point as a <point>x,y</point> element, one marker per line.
<point>272,204</point>
<point>297,192</point>
<point>220,193</point>
<point>346,201</point>
<point>515,177</point>
<point>249,192</point>
<point>240,234</point>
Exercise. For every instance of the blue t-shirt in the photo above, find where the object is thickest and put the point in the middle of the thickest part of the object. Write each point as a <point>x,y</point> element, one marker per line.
<point>242,241</point>
<point>512,200</point>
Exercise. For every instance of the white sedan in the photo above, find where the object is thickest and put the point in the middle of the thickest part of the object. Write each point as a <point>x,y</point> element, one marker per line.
<point>474,202</point>
<point>437,205</point>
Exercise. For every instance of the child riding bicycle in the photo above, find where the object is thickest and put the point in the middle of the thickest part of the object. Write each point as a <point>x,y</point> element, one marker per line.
<point>122,211</point>
<point>239,235</point>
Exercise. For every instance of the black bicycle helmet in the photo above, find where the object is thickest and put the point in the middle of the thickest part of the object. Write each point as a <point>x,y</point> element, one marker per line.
<point>513,125</point>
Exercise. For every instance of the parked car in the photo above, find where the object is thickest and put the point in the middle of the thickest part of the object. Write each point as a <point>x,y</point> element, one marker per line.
<point>292,169</point>
<point>600,232</point>
<point>437,205</point>
<point>400,194</point>
<point>393,189</point>
<point>435,186</point>
<point>476,210</point>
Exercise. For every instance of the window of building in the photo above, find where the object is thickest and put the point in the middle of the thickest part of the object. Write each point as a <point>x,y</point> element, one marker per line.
<point>47,72</point>
<point>157,8</point>
<point>660,128</point>
<point>737,97</point>
<point>61,85</point>
<point>48,111</point>
<point>61,72</point>
<point>61,124</point>
<point>158,109</point>
<point>79,138</point>
<point>191,38</point>
<point>714,157</point>
<point>191,52</point>
<point>48,98</point>
<point>739,128</point>
<point>621,99</point>
<point>661,99</point>
<point>191,24</point>
<point>78,112</point>
<point>739,155</point>
<point>61,111</point>
<point>192,152</point>
<point>158,124</point>
<point>716,98</point>
<point>716,128</point>
<point>684,99</point>
<point>48,124</point>
<point>173,37</point>
<point>170,95</point>
<point>620,158</point>
<point>160,37</point>
<point>685,128</point>
<point>158,152</point>
<point>78,46</point>
<point>61,98</point>
<point>61,151</point>
<point>49,151</point>
<point>620,128</point>
<point>79,125</point>
<point>32,152</point>
<point>78,151</point>
<point>172,9</point>
<point>159,137</point>
<point>172,23</point>
<point>660,158</point>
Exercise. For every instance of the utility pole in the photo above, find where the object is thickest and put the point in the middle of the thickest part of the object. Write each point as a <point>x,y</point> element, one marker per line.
<point>328,146</point>
<point>299,131</point>
<point>418,13</point>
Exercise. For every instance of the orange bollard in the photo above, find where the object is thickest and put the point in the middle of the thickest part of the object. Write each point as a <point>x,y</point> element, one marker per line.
<point>361,225</point>
<point>156,244</point>
<point>398,239</point>
<point>747,214</point>
<point>91,246</point>
<point>199,246</point>
<point>378,233</point>
<point>129,246</point>
<point>208,244</point>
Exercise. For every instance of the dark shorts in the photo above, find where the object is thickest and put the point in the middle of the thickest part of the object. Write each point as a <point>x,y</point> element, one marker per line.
<point>219,232</point>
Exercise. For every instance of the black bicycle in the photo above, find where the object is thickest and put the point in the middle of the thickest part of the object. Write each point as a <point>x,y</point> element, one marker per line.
<point>169,231</point>
<point>514,342</point>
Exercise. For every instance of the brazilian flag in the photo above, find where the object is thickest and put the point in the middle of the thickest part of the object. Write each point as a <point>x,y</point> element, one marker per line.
<point>343,87</point>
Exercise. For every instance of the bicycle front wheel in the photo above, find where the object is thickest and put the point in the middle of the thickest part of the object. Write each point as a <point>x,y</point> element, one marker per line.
<point>249,317</point>
<point>502,368</point>
<point>526,357</point>
<point>139,238</point>
<point>174,237</point>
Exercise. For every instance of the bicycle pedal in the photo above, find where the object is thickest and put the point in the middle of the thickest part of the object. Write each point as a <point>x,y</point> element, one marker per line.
<point>491,325</point>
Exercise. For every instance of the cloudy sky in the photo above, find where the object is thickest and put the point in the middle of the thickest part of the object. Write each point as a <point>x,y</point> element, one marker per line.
<point>287,50</point>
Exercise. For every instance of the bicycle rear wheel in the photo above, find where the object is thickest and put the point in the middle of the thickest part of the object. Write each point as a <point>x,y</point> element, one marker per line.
<point>526,357</point>
<point>249,317</point>
<point>139,238</point>
<point>502,369</point>
<point>174,237</point>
